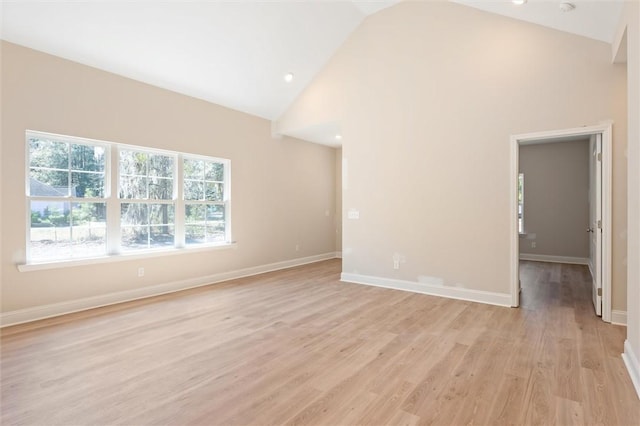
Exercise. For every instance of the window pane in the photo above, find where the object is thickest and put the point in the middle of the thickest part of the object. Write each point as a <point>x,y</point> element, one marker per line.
<point>133,187</point>
<point>161,214</point>
<point>135,238</point>
<point>161,236</point>
<point>205,223</point>
<point>214,171</point>
<point>193,190</point>
<point>215,212</point>
<point>87,184</point>
<point>87,158</point>
<point>48,183</point>
<point>134,214</point>
<point>133,163</point>
<point>160,188</point>
<point>160,165</point>
<point>194,213</point>
<point>50,234</point>
<point>214,191</point>
<point>89,229</point>
<point>194,234</point>
<point>193,169</point>
<point>85,213</point>
<point>44,153</point>
<point>215,233</point>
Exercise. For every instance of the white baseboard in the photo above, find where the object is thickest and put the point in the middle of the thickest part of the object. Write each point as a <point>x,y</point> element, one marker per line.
<point>47,311</point>
<point>338,255</point>
<point>619,317</point>
<point>500,299</point>
<point>554,259</point>
<point>633,367</point>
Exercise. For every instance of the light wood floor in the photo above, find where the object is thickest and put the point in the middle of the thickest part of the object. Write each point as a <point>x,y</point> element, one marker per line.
<point>299,347</point>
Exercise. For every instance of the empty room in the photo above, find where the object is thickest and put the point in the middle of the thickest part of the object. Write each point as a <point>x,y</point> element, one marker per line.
<point>320,212</point>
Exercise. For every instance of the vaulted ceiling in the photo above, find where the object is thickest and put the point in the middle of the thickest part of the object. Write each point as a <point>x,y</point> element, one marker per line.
<point>230,53</point>
<point>236,53</point>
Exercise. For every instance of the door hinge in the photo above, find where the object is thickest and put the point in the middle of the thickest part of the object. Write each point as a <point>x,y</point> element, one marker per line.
<point>600,292</point>
<point>599,156</point>
<point>599,224</point>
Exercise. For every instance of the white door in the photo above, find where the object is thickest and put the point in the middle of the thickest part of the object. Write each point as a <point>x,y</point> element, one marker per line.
<point>595,220</point>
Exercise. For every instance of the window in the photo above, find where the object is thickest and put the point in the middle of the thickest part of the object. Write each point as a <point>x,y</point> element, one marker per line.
<point>205,202</point>
<point>66,187</point>
<point>521,203</point>
<point>147,218</point>
<point>160,199</point>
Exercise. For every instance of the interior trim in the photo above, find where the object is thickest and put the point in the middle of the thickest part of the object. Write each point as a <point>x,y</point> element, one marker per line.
<point>459,293</point>
<point>633,367</point>
<point>554,259</point>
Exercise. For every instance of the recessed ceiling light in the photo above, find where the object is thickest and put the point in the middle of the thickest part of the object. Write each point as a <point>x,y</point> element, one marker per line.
<point>288,77</point>
<point>565,6</point>
<point>338,137</point>
<point>518,2</point>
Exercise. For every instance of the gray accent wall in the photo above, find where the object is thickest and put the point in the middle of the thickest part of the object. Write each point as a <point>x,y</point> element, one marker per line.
<point>556,198</point>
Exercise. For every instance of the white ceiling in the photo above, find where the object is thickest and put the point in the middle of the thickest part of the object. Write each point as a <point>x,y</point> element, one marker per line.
<point>236,52</point>
<point>233,53</point>
<point>596,19</point>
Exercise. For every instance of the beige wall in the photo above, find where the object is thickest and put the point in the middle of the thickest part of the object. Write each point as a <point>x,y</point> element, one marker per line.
<point>283,190</point>
<point>630,20</point>
<point>338,214</point>
<point>633,321</point>
<point>427,95</point>
<point>556,203</point>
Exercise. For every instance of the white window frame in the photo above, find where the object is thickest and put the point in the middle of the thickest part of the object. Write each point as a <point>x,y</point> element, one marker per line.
<point>70,199</point>
<point>172,201</point>
<point>114,202</point>
<point>226,190</point>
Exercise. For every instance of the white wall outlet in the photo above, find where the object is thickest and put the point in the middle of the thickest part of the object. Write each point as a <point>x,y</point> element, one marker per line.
<point>353,214</point>
<point>140,272</point>
<point>397,260</point>
<point>533,244</point>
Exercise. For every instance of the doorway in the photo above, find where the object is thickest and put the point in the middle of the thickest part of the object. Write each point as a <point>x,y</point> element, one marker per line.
<point>600,208</point>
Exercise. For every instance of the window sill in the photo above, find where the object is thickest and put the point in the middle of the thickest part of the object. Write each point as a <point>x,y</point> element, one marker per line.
<point>122,257</point>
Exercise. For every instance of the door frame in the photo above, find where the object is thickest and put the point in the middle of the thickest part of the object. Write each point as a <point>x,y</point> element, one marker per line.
<point>515,142</point>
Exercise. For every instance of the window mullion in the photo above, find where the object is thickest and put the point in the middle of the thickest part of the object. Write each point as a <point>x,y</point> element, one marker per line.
<point>69,170</point>
<point>178,190</point>
<point>113,202</point>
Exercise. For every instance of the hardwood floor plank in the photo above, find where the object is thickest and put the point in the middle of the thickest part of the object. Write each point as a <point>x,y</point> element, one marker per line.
<point>383,409</point>
<point>597,406</point>
<point>509,404</point>
<point>402,418</point>
<point>569,412</point>
<point>540,404</point>
<point>476,407</point>
<point>568,371</point>
<point>424,395</point>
